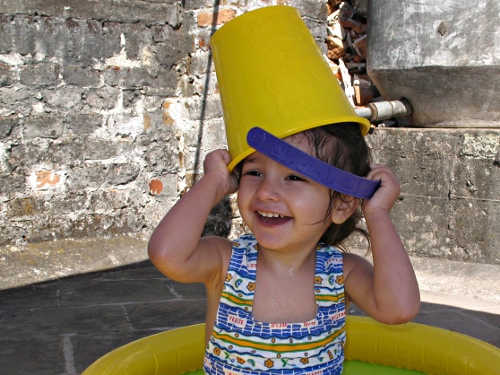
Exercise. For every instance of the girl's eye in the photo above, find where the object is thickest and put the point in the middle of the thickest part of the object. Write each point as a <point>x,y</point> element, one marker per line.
<point>253,173</point>
<point>295,178</point>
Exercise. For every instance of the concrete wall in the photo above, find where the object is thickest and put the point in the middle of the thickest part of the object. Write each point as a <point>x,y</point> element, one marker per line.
<point>108,108</point>
<point>450,190</point>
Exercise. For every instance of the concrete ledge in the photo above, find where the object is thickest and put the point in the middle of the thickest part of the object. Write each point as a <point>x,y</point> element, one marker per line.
<point>33,263</point>
<point>462,284</point>
<point>460,281</point>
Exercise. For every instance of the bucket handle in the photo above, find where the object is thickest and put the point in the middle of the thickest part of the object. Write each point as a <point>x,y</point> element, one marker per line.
<point>310,167</point>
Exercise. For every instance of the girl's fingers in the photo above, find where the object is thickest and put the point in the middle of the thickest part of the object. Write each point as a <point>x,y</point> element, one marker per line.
<point>226,157</point>
<point>380,172</point>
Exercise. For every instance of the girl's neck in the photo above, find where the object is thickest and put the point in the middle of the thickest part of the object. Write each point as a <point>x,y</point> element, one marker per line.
<point>285,262</point>
<point>284,288</point>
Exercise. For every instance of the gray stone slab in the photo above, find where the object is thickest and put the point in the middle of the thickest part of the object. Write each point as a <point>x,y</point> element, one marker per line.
<point>484,327</point>
<point>188,291</point>
<point>88,348</point>
<point>32,354</point>
<point>35,296</point>
<point>133,271</point>
<point>74,319</point>
<point>108,292</point>
<point>166,315</point>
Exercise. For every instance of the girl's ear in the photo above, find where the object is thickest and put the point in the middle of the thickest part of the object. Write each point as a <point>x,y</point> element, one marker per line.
<point>343,207</point>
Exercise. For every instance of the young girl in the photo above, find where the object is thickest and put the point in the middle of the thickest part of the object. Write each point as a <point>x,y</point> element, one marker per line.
<point>277,297</point>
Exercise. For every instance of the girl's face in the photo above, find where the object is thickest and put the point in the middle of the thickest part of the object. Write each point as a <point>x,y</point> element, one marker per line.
<point>283,210</point>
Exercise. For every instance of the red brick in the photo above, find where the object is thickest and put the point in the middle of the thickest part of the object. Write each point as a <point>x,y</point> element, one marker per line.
<point>49,178</point>
<point>223,16</point>
<point>155,186</point>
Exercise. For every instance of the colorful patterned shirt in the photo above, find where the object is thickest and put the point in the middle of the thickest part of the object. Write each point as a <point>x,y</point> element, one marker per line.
<point>241,345</point>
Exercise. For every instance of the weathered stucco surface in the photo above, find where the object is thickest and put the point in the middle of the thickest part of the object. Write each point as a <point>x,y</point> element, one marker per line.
<point>108,108</point>
<point>450,190</point>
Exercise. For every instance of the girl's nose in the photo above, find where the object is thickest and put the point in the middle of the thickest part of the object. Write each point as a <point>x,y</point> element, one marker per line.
<point>268,190</point>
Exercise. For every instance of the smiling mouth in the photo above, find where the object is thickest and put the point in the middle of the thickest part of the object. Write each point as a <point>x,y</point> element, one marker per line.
<point>272,218</point>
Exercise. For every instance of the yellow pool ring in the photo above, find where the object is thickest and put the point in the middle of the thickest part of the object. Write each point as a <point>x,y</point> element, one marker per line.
<point>415,348</point>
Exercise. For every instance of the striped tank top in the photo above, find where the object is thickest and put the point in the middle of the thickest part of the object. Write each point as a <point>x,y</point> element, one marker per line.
<point>241,345</point>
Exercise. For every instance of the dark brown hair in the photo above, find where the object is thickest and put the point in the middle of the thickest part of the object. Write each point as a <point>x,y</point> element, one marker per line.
<point>343,146</point>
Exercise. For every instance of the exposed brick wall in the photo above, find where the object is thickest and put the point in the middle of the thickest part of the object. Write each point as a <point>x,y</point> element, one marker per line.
<point>106,111</point>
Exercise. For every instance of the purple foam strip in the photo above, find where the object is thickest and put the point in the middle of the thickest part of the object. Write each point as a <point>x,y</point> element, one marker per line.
<point>310,167</point>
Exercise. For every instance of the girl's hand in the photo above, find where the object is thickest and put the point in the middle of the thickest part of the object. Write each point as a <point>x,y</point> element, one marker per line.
<point>177,247</point>
<point>215,164</point>
<point>387,193</point>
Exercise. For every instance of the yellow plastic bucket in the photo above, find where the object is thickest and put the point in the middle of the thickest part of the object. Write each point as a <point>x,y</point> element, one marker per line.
<point>272,74</point>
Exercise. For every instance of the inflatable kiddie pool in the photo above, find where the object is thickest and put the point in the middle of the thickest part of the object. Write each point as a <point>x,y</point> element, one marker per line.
<point>372,349</point>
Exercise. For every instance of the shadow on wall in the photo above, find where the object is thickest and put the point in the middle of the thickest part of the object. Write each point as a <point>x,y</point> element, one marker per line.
<point>206,86</point>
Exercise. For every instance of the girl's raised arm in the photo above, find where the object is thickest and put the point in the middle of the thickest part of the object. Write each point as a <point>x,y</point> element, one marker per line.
<point>176,247</point>
<point>388,291</point>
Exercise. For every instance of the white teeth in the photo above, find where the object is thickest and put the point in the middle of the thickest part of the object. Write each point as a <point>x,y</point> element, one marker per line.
<point>268,214</point>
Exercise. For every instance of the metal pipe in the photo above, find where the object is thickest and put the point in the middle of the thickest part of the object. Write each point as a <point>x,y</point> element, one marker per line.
<point>384,110</point>
<point>364,112</point>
